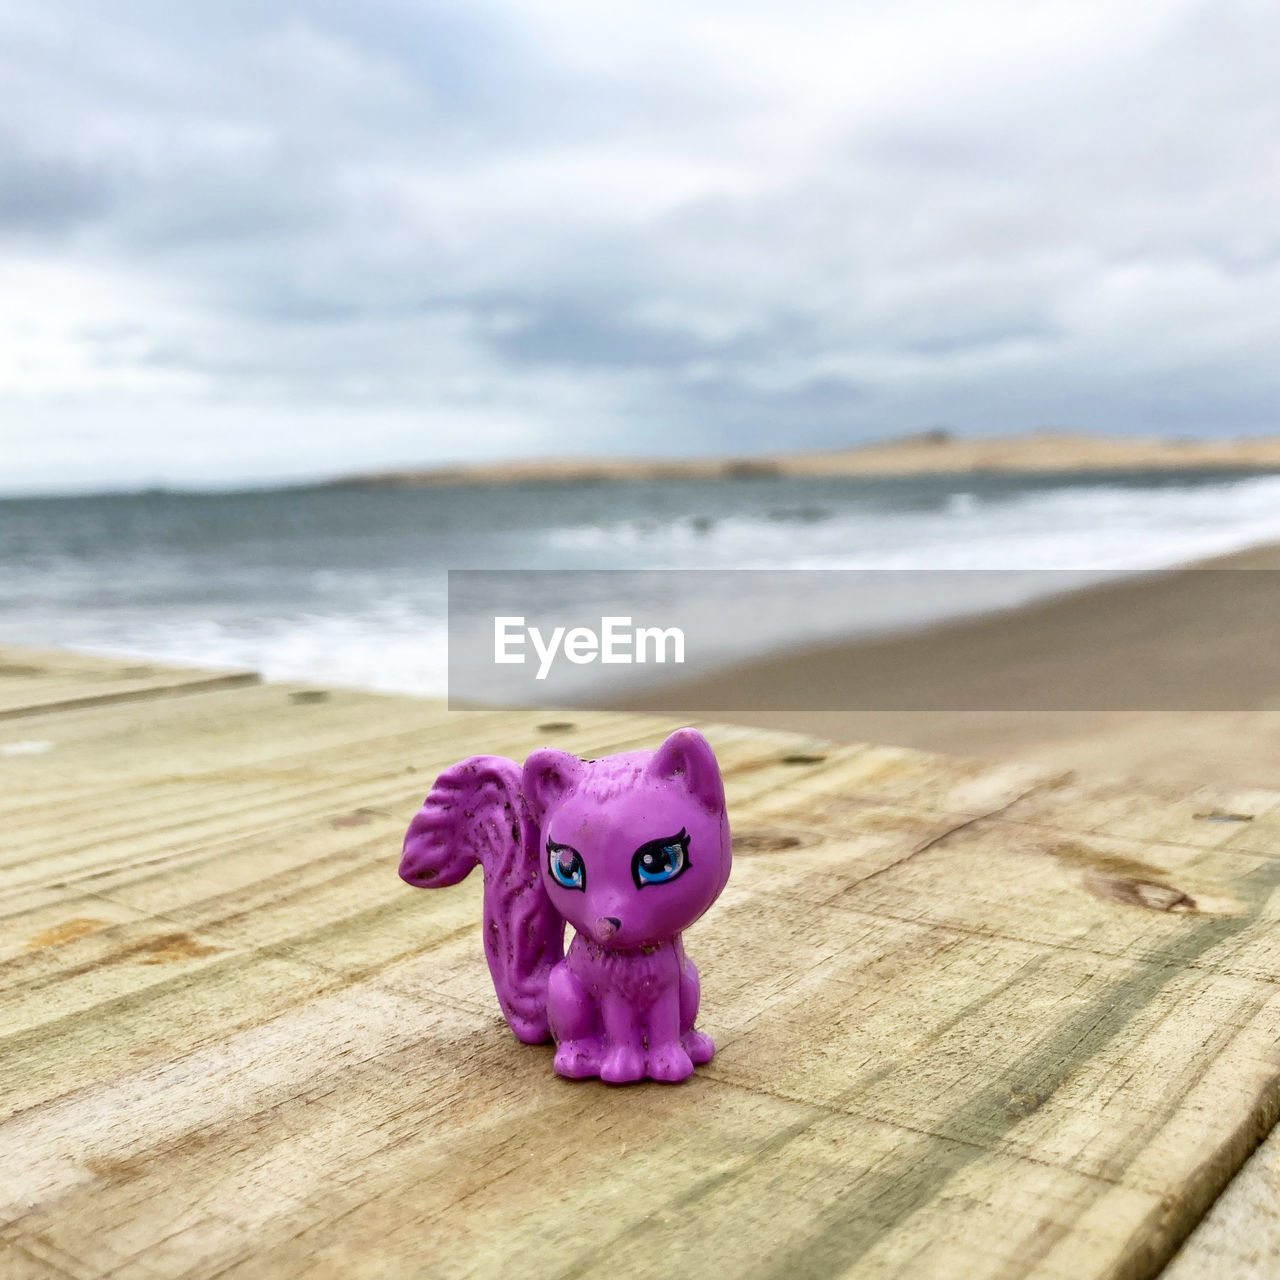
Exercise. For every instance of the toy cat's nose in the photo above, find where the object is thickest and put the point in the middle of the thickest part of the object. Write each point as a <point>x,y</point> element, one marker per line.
<point>606,927</point>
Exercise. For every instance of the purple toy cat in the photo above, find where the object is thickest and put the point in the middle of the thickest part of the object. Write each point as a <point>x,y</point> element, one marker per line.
<point>630,850</point>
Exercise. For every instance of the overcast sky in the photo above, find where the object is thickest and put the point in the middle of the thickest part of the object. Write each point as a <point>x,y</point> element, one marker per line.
<point>243,240</point>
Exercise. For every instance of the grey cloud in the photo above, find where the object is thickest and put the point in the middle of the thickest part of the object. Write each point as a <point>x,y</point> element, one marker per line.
<point>598,332</point>
<point>48,195</point>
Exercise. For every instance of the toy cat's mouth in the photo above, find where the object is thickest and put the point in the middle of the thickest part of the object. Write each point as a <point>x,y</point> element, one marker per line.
<point>606,927</point>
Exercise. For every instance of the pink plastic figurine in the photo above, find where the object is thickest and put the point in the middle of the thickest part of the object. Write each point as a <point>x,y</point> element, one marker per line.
<point>630,850</point>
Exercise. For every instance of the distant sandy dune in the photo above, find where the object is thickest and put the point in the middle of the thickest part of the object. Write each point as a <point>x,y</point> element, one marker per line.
<point>931,452</point>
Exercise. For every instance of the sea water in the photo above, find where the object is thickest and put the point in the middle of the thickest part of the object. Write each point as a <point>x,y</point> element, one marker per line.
<point>347,585</point>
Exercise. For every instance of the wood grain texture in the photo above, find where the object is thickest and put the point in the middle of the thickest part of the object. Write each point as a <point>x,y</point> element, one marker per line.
<point>1239,1238</point>
<point>32,681</point>
<point>973,1020</point>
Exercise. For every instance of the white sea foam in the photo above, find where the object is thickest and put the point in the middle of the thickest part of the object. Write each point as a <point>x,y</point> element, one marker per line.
<point>1081,527</point>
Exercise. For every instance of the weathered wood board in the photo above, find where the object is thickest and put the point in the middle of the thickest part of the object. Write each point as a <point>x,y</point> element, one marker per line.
<point>32,681</point>
<point>1239,1238</point>
<point>973,1020</point>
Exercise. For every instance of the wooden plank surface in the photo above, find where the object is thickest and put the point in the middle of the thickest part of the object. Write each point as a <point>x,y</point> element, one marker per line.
<point>974,1020</point>
<point>1239,1238</point>
<point>33,681</point>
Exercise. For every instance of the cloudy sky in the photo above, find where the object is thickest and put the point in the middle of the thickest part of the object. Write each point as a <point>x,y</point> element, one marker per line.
<point>245,241</point>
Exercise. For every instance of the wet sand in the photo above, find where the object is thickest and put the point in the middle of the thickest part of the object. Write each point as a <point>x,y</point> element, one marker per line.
<point>1193,655</point>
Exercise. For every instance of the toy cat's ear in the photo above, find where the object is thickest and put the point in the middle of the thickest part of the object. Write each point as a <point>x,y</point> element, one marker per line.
<point>548,775</point>
<point>688,755</point>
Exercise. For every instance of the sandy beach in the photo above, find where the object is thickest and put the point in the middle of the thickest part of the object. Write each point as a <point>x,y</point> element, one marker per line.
<point>1181,644</point>
<point>937,452</point>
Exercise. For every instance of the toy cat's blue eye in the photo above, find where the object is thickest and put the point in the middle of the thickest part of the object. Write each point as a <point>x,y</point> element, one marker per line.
<point>661,861</point>
<point>565,865</point>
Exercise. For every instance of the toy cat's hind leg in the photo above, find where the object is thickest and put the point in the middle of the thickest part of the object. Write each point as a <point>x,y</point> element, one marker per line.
<point>575,1024</point>
<point>699,1047</point>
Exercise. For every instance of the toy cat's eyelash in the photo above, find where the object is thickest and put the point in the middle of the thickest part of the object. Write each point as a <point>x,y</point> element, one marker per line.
<point>661,861</point>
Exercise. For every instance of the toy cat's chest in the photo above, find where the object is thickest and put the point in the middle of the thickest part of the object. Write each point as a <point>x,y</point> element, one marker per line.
<point>639,977</point>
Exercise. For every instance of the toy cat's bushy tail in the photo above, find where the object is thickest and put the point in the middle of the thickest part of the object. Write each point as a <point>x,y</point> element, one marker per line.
<point>474,814</point>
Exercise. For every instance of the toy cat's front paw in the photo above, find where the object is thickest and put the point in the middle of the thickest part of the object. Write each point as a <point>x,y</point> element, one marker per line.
<point>577,1059</point>
<point>670,1064</point>
<point>699,1047</point>
<point>621,1065</point>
